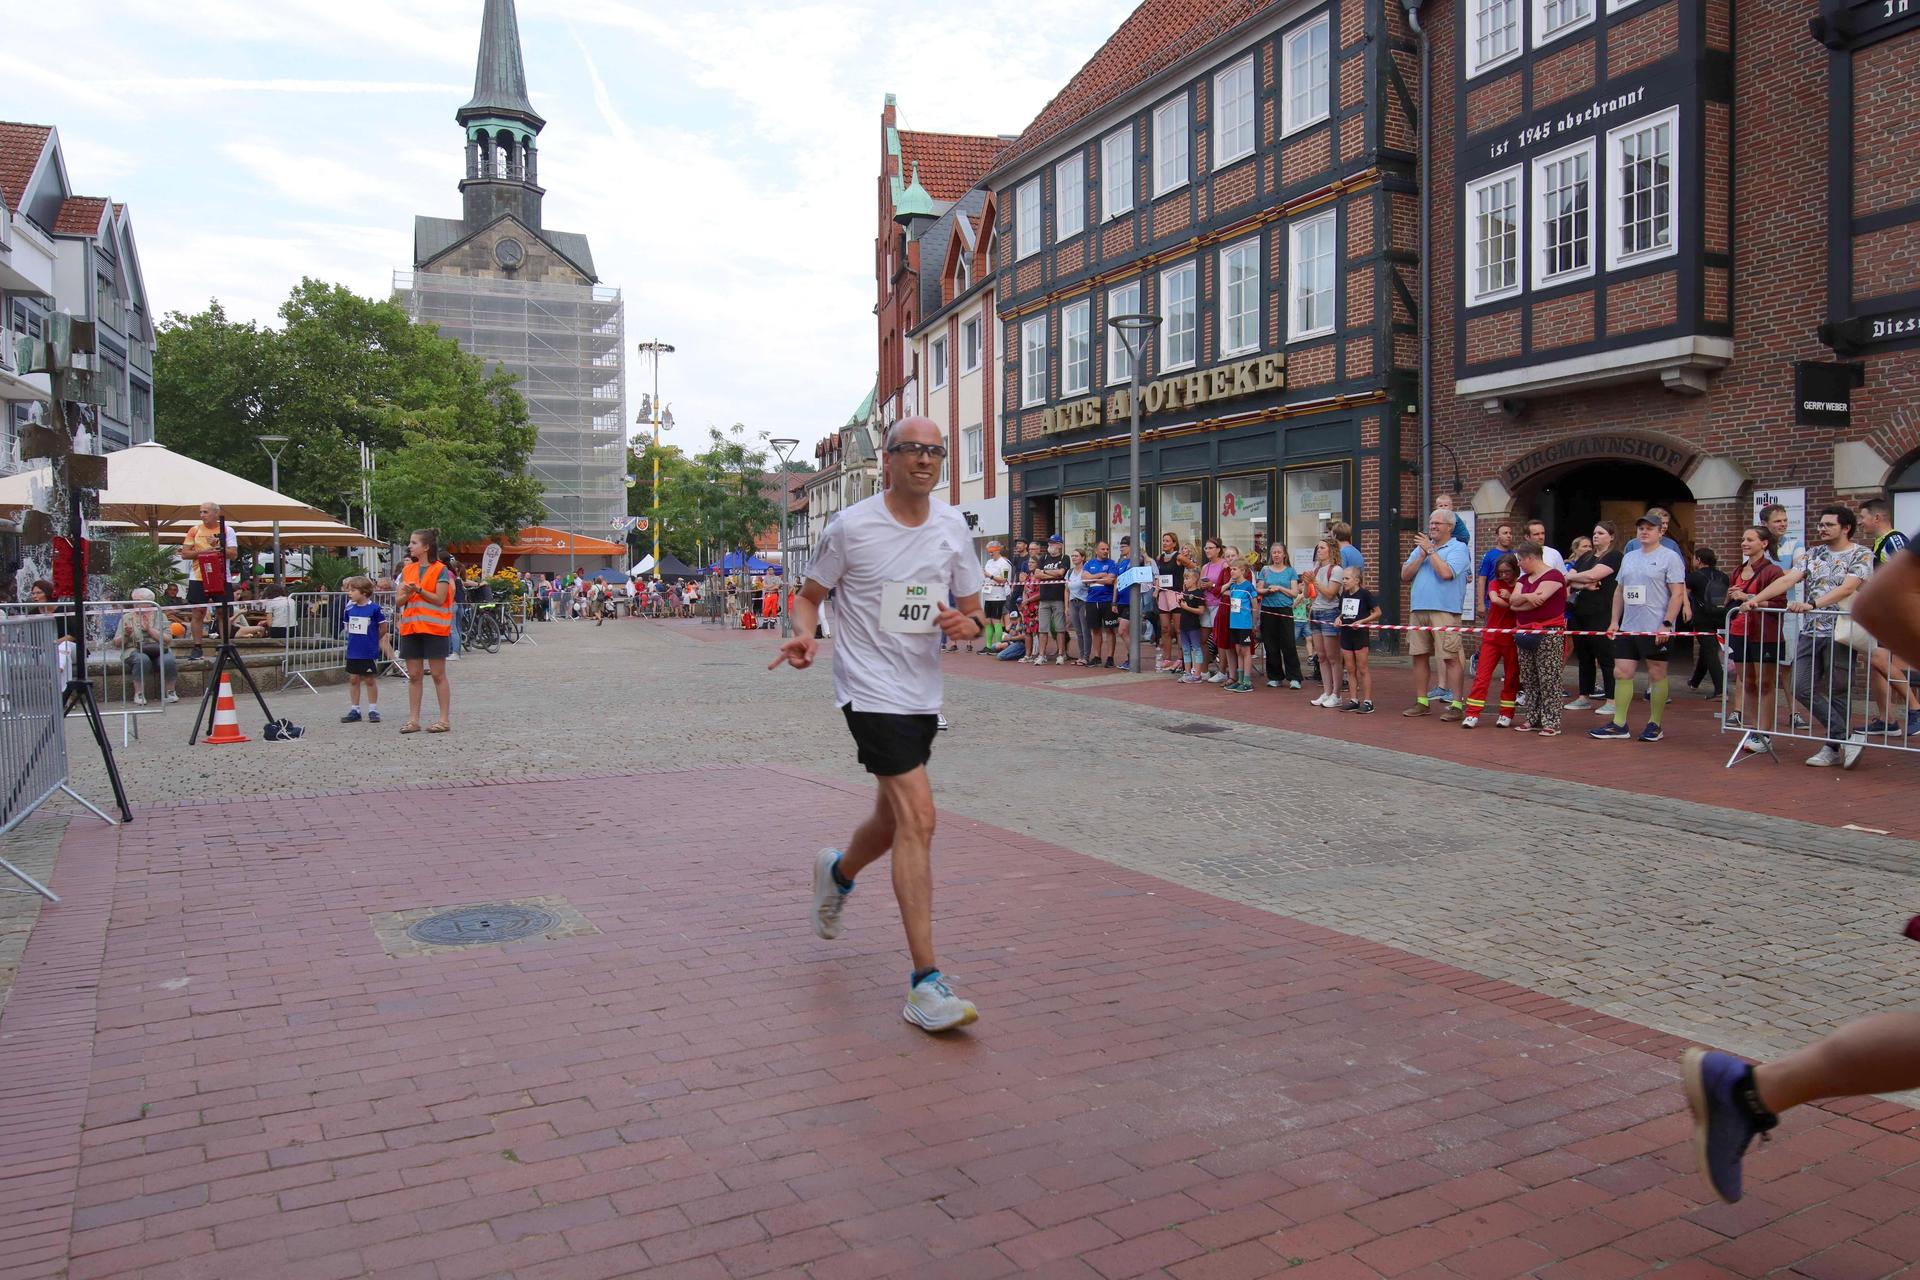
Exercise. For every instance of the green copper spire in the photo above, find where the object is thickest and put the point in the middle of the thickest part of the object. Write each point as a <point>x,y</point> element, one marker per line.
<point>912,201</point>
<point>500,79</point>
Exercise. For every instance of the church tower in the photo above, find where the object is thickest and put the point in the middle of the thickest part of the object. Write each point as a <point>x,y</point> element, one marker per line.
<point>526,298</point>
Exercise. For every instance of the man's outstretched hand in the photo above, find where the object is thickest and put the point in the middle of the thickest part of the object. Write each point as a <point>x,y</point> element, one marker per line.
<point>796,653</point>
<point>957,625</point>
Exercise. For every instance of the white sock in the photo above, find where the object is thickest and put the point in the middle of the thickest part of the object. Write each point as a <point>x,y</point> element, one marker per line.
<point>374,707</point>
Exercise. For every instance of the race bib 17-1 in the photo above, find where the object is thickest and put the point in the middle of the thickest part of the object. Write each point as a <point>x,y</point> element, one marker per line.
<point>908,608</point>
<point>358,626</point>
<point>1636,594</point>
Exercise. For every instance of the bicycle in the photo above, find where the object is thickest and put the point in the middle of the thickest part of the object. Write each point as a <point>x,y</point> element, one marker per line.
<point>485,631</point>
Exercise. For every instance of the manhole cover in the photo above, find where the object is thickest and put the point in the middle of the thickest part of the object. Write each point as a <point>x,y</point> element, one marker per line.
<point>475,926</point>
<point>1196,729</point>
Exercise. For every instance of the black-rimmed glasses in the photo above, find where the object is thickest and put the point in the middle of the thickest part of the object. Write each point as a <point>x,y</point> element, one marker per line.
<point>913,448</point>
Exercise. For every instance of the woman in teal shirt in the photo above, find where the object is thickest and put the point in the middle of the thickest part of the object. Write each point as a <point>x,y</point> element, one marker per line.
<point>1277,591</point>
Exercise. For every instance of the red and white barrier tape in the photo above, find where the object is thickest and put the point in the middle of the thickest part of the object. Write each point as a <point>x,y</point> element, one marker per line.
<point>1514,631</point>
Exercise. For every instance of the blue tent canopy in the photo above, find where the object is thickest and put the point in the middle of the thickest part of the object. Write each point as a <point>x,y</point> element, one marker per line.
<point>730,563</point>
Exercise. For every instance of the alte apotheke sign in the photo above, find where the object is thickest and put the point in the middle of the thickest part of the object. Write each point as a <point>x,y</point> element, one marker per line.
<point>1179,391</point>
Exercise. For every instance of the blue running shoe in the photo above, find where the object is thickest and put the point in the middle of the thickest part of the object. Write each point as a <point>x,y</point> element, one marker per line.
<point>1611,732</point>
<point>1723,1128</point>
<point>1913,724</point>
<point>1651,733</point>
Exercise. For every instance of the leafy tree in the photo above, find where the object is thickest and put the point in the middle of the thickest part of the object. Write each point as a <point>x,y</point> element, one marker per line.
<point>139,562</point>
<point>342,371</point>
<point>732,502</point>
<point>435,482</point>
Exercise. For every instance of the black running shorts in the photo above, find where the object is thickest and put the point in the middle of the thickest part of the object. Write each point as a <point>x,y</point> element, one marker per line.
<point>1642,648</point>
<point>889,744</point>
<point>996,609</point>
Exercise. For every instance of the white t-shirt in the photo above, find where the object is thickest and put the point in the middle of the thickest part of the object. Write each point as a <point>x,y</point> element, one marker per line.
<point>1002,568</point>
<point>280,611</point>
<point>1555,561</point>
<point>863,549</point>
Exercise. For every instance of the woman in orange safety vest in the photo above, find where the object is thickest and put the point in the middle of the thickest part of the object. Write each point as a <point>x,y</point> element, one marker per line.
<point>424,596</point>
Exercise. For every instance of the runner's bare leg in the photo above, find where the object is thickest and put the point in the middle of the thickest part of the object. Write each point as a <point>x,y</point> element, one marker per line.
<point>903,818</point>
<point>1877,1054</point>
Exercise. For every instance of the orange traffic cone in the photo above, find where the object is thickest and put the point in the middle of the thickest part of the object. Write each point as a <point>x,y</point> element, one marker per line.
<point>226,720</point>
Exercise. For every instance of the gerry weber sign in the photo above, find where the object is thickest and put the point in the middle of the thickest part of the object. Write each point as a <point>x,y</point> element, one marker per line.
<point>1567,122</point>
<point>1181,391</point>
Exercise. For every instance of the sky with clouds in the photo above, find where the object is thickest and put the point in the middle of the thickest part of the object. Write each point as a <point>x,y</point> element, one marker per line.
<point>720,157</point>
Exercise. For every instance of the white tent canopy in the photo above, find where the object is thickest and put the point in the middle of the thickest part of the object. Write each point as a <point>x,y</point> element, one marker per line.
<point>151,486</point>
<point>293,533</point>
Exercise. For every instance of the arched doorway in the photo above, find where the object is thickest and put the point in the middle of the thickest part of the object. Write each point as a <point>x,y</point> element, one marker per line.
<point>1572,500</point>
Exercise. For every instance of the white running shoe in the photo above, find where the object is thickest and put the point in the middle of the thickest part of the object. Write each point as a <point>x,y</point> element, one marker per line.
<point>1579,704</point>
<point>1757,742</point>
<point>1850,750</point>
<point>1824,758</point>
<point>1605,708</point>
<point>940,721</point>
<point>139,699</point>
<point>1060,660</point>
<point>828,897</point>
<point>1504,722</point>
<point>1218,677</point>
<point>933,1007</point>
<point>1470,722</point>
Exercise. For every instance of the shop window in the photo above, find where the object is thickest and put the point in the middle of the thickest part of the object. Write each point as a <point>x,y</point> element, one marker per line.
<point>1308,76</point>
<point>1119,518</point>
<point>1493,237</point>
<point>1315,497</point>
<point>1183,511</point>
<point>1241,515</point>
<point>1116,173</point>
<point>1080,521</point>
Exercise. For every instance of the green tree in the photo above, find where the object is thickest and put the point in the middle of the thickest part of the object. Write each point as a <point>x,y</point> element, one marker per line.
<point>342,371</point>
<point>435,482</point>
<point>733,502</point>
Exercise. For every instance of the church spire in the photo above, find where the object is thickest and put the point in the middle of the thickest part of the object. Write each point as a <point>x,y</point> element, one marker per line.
<point>503,162</point>
<point>500,78</point>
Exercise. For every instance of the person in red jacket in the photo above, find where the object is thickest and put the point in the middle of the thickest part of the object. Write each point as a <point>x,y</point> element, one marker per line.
<point>1497,647</point>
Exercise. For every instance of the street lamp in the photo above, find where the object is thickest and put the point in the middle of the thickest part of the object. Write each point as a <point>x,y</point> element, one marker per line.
<point>1133,330</point>
<point>275,445</point>
<point>785,447</point>
<point>662,421</point>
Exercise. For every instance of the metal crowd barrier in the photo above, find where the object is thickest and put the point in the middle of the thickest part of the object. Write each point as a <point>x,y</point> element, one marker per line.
<point>33,739</point>
<point>1829,683</point>
<point>318,639</point>
<point>119,678</point>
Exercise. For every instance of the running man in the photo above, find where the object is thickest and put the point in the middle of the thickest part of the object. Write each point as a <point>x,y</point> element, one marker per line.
<point>891,561</point>
<point>1731,1100</point>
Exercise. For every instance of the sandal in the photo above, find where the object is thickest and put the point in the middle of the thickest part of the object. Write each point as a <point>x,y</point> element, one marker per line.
<point>411,726</point>
<point>441,727</point>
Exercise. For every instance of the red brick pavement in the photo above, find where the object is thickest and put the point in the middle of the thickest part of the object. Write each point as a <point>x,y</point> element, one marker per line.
<point>1162,1083</point>
<point>1689,764</point>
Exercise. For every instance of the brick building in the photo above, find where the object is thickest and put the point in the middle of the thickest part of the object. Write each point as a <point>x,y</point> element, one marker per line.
<point>1246,172</point>
<point>1647,216</point>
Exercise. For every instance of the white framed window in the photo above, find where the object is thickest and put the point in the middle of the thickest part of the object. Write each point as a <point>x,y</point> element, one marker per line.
<point>1307,68</point>
<point>1641,160</point>
<point>962,277</point>
<point>1124,301</point>
<point>1563,221</point>
<point>936,364</point>
<point>1233,113</point>
<point>970,345</point>
<point>1172,146</point>
<point>1179,318</point>
<point>1615,6</point>
<point>1493,33</point>
<point>973,458</point>
<point>946,469</point>
<point>1240,298</point>
<point>1310,251</point>
<point>1493,237</point>
<point>1116,173</point>
<point>1076,348</point>
<point>1026,215</point>
<point>1070,196</point>
<point>1554,18</point>
<point>1033,362</point>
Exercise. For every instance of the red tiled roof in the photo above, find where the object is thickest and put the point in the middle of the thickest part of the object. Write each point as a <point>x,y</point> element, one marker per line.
<point>950,163</point>
<point>1155,36</point>
<point>20,148</point>
<point>80,216</point>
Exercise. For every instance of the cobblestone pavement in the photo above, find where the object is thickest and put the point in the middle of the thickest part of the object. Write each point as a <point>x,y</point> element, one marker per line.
<point>1745,931</point>
<point>33,848</point>
<point>222,1063</point>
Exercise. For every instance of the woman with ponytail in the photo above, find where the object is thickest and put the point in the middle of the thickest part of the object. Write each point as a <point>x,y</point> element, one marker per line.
<point>424,597</point>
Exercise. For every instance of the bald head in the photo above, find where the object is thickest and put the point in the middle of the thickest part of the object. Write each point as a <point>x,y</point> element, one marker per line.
<point>916,427</point>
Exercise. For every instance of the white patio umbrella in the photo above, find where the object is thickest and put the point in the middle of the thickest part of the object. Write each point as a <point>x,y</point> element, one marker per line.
<point>150,486</point>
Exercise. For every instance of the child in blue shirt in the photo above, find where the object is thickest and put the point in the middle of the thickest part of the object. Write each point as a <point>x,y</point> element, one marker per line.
<point>1240,614</point>
<point>363,623</point>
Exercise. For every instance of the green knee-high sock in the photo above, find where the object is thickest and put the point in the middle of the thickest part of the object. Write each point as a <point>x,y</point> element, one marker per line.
<point>1657,693</point>
<point>993,633</point>
<point>1622,703</point>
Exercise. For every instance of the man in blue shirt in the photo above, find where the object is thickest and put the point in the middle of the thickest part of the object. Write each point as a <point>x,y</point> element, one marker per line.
<point>1101,574</point>
<point>1350,557</point>
<point>1437,570</point>
<point>1502,545</point>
